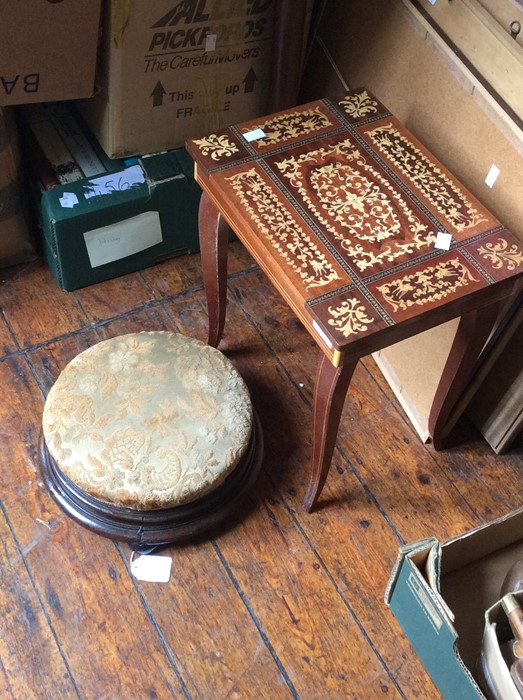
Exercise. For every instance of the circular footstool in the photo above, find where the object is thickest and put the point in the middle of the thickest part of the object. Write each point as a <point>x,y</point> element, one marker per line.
<point>149,438</point>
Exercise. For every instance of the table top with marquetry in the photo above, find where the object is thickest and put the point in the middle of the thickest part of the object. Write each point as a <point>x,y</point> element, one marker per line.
<point>360,228</point>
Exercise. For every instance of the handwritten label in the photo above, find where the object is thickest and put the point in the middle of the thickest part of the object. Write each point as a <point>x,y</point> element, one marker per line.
<point>115,182</point>
<point>109,243</point>
<point>254,135</point>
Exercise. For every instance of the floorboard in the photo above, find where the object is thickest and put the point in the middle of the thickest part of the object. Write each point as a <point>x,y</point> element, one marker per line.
<point>276,603</point>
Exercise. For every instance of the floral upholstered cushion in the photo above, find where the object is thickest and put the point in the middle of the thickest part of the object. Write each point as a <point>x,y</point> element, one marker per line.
<point>148,420</point>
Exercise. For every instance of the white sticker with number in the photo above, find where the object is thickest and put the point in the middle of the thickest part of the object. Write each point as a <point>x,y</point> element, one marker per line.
<point>115,182</point>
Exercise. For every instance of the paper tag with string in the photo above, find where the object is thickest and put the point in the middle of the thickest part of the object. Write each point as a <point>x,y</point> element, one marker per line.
<point>151,567</point>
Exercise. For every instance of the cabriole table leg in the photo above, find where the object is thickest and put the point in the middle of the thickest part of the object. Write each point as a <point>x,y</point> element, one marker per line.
<point>473,331</point>
<point>214,237</point>
<point>330,390</point>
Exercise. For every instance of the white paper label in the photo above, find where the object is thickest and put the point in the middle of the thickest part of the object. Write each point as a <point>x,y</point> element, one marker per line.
<point>115,182</point>
<point>254,135</point>
<point>443,240</point>
<point>210,42</point>
<point>492,175</point>
<point>110,243</point>
<point>68,200</point>
<point>432,2</point>
<point>321,333</point>
<point>151,567</point>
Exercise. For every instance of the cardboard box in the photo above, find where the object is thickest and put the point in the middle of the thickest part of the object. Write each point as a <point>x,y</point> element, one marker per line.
<point>16,243</point>
<point>171,70</point>
<point>119,222</point>
<point>442,595</point>
<point>48,50</point>
<point>99,217</point>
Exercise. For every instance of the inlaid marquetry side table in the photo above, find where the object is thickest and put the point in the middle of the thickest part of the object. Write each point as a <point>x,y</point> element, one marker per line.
<point>367,237</point>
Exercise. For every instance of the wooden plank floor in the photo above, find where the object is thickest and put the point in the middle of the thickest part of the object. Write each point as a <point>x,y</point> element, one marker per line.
<point>277,604</point>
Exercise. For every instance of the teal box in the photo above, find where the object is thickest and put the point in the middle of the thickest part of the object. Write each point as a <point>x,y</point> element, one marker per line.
<point>446,598</point>
<point>118,222</point>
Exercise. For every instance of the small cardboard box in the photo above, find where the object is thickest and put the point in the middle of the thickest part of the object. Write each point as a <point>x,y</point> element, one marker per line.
<point>100,217</point>
<point>48,50</point>
<point>442,594</point>
<point>171,70</point>
<point>119,222</point>
<point>16,243</point>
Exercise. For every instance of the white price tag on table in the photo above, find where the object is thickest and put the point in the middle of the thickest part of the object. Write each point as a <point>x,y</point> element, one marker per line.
<point>443,240</point>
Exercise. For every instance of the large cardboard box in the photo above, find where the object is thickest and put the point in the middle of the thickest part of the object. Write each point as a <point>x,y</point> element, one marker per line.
<point>446,598</point>
<point>170,70</point>
<point>48,50</point>
<point>15,235</point>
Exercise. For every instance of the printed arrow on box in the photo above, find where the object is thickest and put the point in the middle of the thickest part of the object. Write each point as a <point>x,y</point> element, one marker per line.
<point>250,80</point>
<point>157,94</point>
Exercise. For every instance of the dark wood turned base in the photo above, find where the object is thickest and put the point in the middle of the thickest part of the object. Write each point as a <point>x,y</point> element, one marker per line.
<point>146,529</point>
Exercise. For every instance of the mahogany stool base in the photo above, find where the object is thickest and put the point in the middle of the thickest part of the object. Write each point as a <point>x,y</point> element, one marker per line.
<point>146,529</point>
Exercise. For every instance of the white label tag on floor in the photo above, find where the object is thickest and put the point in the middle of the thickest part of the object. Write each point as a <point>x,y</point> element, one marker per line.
<point>151,567</point>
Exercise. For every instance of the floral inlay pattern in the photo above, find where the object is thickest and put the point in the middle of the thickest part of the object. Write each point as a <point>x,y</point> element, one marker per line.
<point>357,201</point>
<point>359,105</point>
<point>500,254</point>
<point>290,126</point>
<point>428,285</point>
<point>343,205</point>
<point>280,228</point>
<point>218,145</point>
<point>356,204</point>
<point>424,174</point>
<point>349,318</point>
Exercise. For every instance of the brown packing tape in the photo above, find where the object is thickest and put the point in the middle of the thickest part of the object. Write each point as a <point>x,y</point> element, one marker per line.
<point>120,16</point>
